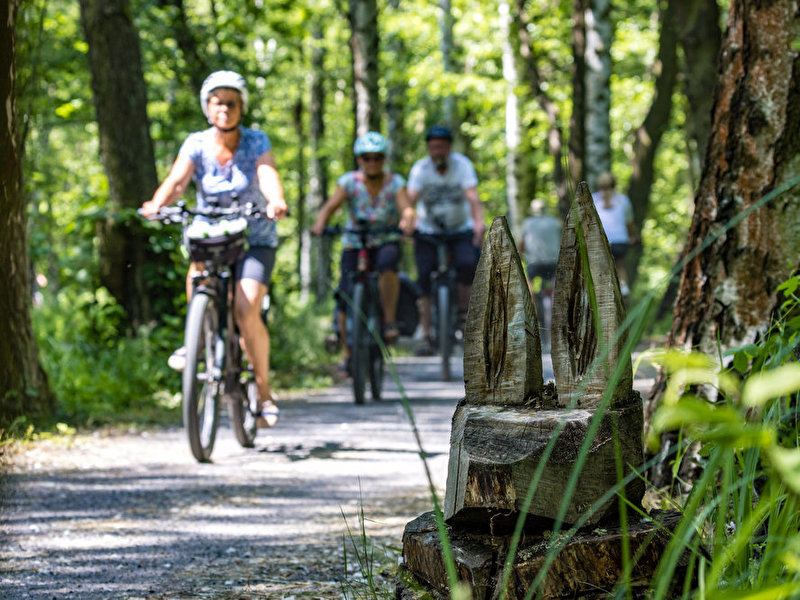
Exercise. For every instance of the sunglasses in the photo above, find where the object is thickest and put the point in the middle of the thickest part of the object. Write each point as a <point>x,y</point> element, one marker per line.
<point>372,157</point>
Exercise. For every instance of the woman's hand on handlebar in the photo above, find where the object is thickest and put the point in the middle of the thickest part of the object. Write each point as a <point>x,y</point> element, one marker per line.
<point>149,209</point>
<point>408,221</point>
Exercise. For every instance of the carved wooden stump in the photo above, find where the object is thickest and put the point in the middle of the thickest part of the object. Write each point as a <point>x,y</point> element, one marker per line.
<point>510,424</point>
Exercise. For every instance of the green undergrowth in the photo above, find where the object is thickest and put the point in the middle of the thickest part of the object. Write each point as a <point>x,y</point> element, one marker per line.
<point>102,375</point>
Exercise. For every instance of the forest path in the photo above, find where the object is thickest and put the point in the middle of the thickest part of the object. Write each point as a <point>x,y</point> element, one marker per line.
<point>131,514</point>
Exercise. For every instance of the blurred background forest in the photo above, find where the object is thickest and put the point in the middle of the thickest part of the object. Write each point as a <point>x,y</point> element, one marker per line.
<point>540,94</point>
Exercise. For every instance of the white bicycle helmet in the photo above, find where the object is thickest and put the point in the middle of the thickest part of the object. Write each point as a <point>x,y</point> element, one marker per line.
<point>223,79</point>
<point>371,142</point>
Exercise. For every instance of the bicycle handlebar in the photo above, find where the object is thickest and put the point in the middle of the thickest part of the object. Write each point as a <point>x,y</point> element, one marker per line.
<point>180,212</point>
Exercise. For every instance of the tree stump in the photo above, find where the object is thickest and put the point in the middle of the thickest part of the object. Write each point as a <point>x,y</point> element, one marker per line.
<point>511,425</point>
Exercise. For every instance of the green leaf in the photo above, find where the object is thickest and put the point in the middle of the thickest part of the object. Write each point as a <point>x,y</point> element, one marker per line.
<point>775,592</point>
<point>786,462</point>
<point>762,387</point>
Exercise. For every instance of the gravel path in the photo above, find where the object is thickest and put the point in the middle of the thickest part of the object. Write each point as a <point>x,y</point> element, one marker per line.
<point>131,515</point>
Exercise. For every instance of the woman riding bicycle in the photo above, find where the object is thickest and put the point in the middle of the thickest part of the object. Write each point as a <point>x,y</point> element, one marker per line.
<point>228,161</point>
<point>378,198</point>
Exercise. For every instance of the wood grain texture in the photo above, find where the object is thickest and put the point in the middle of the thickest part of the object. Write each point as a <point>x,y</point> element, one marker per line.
<point>502,348</point>
<point>494,452</point>
<point>585,346</point>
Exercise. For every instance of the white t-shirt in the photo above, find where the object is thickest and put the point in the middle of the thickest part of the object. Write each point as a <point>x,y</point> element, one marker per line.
<point>442,203</point>
<point>615,218</point>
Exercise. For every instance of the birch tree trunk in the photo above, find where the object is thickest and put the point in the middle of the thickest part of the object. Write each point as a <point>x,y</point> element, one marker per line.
<point>23,383</point>
<point>512,121</point>
<point>363,16</point>
<point>727,290</point>
<point>126,149</point>
<point>446,27</point>
<point>598,89</point>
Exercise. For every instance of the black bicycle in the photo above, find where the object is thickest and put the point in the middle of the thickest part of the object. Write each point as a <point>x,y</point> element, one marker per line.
<point>216,369</point>
<point>364,315</point>
<point>444,303</point>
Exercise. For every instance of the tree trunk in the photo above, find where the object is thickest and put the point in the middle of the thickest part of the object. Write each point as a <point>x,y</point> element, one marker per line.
<point>303,236</point>
<point>598,89</point>
<point>512,122</point>
<point>318,167</point>
<point>700,39</point>
<point>577,120</point>
<point>364,45</point>
<point>727,290</point>
<point>446,28</point>
<point>649,133</point>
<point>126,149</point>
<point>23,382</point>
<point>396,102</point>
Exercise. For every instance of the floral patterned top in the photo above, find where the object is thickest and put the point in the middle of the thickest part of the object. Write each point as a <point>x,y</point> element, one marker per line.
<point>380,211</point>
<point>221,183</point>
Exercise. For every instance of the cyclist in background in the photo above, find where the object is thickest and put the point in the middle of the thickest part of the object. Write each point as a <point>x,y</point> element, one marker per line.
<point>444,187</point>
<point>228,161</point>
<point>379,198</point>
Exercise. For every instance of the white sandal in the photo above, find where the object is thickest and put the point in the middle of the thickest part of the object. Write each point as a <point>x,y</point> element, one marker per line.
<point>269,414</point>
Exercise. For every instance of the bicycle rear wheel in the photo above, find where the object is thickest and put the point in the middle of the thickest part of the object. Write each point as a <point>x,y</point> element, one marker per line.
<point>243,402</point>
<point>201,377</point>
<point>359,350</point>
<point>444,328</point>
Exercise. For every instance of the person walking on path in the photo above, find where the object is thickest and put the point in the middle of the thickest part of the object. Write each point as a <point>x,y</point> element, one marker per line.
<point>443,187</point>
<point>231,162</point>
<point>616,215</point>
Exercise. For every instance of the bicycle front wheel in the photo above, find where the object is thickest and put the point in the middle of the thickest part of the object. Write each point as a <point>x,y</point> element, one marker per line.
<point>359,350</point>
<point>443,328</point>
<point>201,377</point>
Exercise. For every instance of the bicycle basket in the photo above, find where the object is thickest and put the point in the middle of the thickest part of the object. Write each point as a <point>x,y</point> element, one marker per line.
<point>222,241</point>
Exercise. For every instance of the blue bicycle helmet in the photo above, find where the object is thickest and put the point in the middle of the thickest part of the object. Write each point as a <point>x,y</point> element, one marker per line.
<point>439,132</point>
<point>371,142</point>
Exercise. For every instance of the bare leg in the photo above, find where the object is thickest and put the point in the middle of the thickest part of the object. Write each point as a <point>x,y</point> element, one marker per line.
<point>425,317</point>
<point>389,288</point>
<point>247,310</point>
<point>341,317</point>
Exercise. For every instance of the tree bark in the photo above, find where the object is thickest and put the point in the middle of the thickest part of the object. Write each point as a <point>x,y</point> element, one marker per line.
<point>23,383</point>
<point>126,149</point>
<point>363,16</point>
<point>598,89</point>
<point>727,290</point>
